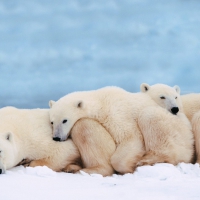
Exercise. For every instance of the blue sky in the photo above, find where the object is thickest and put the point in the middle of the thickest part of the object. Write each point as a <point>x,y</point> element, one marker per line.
<point>51,48</point>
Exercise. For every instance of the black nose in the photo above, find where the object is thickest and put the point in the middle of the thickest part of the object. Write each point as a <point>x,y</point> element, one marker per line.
<point>175,110</point>
<point>0,171</point>
<point>56,139</point>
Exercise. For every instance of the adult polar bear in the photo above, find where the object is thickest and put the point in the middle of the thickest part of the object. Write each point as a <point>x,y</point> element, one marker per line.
<point>26,134</point>
<point>191,106</point>
<point>118,111</point>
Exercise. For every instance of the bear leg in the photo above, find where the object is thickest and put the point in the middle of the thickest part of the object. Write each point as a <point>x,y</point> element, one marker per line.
<point>95,145</point>
<point>196,130</point>
<point>127,155</point>
<point>150,158</point>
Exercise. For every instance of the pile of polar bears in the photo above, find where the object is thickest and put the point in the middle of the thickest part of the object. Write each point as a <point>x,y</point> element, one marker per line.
<point>104,131</point>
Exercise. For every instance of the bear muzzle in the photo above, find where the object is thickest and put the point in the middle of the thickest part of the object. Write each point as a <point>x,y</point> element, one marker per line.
<point>2,171</point>
<point>2,168</point>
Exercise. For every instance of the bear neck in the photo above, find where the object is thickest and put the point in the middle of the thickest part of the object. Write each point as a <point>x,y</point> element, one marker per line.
<point>19,151</point>
<point>96,109</point>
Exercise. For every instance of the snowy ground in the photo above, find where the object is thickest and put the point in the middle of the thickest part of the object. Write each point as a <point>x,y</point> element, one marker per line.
<point>159,182</point>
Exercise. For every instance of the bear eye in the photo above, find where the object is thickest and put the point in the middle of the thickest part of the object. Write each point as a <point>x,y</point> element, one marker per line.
<point>7,137</point>
<point>162,97</point>
<point>175,97</point>
<point>64,121</point>
<point>52,123</point>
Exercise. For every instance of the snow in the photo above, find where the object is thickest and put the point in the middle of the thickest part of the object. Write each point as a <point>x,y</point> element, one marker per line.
<point>158,182</point>
<point>50,48</point>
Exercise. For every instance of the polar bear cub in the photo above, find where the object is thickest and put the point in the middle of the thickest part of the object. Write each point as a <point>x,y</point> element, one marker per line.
<point>27,134</point>
<point>114,109</point>
<point>167,131</point>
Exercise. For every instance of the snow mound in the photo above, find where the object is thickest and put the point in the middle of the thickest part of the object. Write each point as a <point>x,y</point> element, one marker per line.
<point>158,171</point>
<point>161,171</point>
<point>34,171</point>
<point>159,182</point>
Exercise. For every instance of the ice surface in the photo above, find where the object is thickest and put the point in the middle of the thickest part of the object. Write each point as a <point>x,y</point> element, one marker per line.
<point>158,182</point>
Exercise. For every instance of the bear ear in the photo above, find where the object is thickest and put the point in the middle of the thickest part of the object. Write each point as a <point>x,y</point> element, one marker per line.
<point>51,103</point>
<point>177,88</point>
<point>8,136</point>
<point>144,87</point>
<point>79,104</point>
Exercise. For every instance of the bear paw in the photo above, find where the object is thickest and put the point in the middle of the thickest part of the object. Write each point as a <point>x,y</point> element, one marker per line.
<point>72,168</point>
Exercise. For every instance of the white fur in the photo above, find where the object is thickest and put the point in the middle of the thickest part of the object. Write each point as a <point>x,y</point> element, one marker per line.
<point>27,134</point>
<point>191,106</point>
<point>168,137</point>
<point>164,95</point>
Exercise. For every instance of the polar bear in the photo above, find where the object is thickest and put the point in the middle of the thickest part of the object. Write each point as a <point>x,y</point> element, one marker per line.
<point>191,104</point>
<point>171,140</point>
<point>118,111</point>
<point>27,134</point>
<point>191,107</point>
<point>33,141</point>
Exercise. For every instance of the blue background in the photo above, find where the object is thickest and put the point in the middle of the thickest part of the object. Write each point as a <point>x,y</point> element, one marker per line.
<point>50,48</point>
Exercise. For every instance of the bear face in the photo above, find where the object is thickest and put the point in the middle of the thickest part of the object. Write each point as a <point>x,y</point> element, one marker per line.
<point>164,95</point>
<point>8,152</point>
<point>64,117</point>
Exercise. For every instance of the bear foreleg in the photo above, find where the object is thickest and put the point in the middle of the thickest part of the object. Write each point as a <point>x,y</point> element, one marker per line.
<point>95,145</point>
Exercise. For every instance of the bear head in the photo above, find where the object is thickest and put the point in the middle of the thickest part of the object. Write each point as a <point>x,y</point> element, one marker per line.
<point>164,95</point>
<point>8,152</point>
<point>63,115</point>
